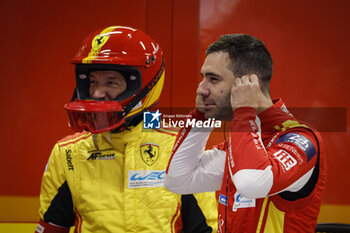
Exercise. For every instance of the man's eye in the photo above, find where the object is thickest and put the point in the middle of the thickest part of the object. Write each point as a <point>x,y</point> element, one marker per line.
<point>93,82</point>
<point>214,80</point>
<point>113,83</point>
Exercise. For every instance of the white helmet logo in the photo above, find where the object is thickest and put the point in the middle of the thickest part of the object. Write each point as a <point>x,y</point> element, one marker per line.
<point>82,76</point>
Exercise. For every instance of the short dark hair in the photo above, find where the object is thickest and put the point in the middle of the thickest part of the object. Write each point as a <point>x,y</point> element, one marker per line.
<point>248,56</point>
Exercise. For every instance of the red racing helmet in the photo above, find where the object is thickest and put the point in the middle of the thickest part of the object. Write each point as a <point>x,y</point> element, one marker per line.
<point>132,53</point>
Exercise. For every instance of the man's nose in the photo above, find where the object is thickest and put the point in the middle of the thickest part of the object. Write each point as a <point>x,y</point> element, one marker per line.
<point>203,89</point>
<point>99,94</point>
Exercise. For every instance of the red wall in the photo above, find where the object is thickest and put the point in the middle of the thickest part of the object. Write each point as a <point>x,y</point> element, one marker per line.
<point>38,40</point>
<point>308,40</point>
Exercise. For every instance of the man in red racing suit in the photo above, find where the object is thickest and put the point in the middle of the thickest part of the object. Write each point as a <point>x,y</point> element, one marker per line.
<point>270,172</point>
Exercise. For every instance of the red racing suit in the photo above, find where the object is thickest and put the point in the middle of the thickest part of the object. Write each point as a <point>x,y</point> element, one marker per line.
<point>269,174</point>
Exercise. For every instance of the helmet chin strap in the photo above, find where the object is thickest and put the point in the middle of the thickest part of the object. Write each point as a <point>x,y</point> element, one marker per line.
<point>143,92</point>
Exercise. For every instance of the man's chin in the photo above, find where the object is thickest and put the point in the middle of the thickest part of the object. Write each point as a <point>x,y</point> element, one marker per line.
<point>209,113</point>
<point>212,114</point>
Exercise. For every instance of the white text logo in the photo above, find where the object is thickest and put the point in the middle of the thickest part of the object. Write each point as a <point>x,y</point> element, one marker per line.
<point>286,159</point>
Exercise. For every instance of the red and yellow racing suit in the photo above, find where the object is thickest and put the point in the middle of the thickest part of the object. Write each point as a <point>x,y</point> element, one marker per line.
<point>269,174</point>
<point>113,182</point>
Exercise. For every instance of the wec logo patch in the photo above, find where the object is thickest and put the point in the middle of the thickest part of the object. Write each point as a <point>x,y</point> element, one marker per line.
<point>146,179</point>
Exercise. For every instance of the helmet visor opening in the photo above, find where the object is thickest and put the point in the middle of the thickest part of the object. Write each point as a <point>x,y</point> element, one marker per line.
<point>132,77</point>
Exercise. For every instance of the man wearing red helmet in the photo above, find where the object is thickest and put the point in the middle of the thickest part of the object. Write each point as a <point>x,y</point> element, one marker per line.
<point>109,178</point>
<point>270,173</point>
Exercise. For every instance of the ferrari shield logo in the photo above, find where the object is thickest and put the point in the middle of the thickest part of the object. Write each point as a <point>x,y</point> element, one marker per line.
<point>149,153</point>
<point>99,41</point>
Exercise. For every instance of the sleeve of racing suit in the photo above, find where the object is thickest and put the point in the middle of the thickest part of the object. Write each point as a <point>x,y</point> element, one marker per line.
<point>190,169</point>
<point>56,206</point>
<point>51,228</point>
<point>257,171</point>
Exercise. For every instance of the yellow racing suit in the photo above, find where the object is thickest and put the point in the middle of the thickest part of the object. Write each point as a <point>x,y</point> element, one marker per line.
<point>113,182</point>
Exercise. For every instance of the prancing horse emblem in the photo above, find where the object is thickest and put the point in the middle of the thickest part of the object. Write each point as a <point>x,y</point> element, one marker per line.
<point>149,153</point>
<point>99,41</point>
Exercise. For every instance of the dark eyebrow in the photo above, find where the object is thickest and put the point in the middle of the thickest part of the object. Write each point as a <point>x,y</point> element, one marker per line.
<point>108,78</point>
<point>210,74</point>
<point>114,78</point>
